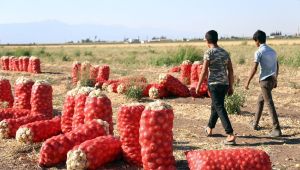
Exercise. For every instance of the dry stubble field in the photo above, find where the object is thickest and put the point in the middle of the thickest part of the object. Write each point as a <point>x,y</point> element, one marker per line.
<point>190,115</point>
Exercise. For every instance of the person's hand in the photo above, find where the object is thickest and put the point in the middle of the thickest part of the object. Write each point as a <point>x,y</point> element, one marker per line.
<point>230,91</point>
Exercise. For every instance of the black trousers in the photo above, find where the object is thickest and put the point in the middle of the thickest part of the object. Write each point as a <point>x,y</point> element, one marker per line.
<point>218,92</point>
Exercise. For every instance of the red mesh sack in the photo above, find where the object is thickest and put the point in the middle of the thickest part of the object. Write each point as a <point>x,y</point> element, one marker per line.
<point>13,113</point>
<point>147,88</point>
<point>98,106</point>
<point>133,79</point>
<point>21,63</point>
<point>237,159</point>
<point>35,65</point>
<point>128,126</point>
<point>68,111</point>
<point>76,67</point>
<point>175,69</point>
<point>195,71</point>
<point>113,87</point>
<point>94,72</point>
<point>94,153</point>
<point>9,127</point>
<point>174,86</point>
<point>23,88</point>
<point>11,64</point>
<point>85,70</point>
<point>14,64</point>
<point>123,87</point>
<point>103,73</point>
<point>80,98</point>
<point>54,150</point>
<point>185,76</point>
<point>124,83</point>
<point>158,91</point>
<point>6,97</point>
<point>5,63</point>
<point>41,98</point>
<point>107,83</point>
<point>202,92</point>
<point>17,65</point>
<point>38,131</point>
<point>25,64</point>
<point>2,65</point>
<point>156,137</point>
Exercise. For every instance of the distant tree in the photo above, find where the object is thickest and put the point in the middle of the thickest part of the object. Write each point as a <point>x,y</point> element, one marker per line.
<point>277,33</point>
<point>163,37</point>
<point>86,40</point>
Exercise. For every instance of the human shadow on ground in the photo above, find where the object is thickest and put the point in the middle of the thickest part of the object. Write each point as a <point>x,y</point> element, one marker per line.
<point>56,112</point>
<point>184,147</point>
<point>285,139</point>
<point>182,165</point>
<point>52,73</point>
<point>146,100</point>
<point>246,113</point>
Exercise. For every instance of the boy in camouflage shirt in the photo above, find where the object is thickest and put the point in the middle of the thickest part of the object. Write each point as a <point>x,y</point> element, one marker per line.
<point>217,65</point>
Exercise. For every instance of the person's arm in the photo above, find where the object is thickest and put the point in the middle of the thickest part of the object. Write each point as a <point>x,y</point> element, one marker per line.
<point>202,75</point>
<point>251,75</point>
<point>230,78</point>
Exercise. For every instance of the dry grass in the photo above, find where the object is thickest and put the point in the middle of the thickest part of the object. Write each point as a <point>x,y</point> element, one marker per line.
<point>190,115</point>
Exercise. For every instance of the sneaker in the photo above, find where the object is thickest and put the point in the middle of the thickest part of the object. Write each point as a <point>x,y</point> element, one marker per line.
<point>275,133</point>
<point>253,126</point>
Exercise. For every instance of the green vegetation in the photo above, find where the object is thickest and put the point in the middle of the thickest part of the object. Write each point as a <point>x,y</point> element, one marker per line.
<point>157,55</point>
<point>234,102</point>
<point>134,93</point>
<point>293,60</point>
<point>241,60</point>
<point>176,58</point>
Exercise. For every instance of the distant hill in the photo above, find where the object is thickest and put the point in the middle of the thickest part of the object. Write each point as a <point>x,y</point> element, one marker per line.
<point>59,32</point>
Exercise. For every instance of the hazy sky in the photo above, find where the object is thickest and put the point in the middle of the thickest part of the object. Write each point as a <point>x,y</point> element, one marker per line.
<point>228,17</point>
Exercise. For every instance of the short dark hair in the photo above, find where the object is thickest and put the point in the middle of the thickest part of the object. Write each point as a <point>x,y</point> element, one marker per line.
<point>211,36</point>
<point>260,36</point>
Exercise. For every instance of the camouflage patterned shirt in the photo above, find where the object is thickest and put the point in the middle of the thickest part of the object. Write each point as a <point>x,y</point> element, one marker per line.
<point>218,60</point>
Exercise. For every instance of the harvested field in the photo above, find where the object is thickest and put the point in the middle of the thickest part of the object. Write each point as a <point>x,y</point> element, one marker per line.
<point>191,115</point>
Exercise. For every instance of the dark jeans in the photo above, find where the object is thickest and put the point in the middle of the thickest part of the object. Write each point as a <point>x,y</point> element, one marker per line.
<point>218,92</point>
<point>266,97</point>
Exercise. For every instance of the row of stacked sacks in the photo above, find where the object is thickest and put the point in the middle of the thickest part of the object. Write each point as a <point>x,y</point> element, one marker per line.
<point>32,102</point>
<point>91,145</point>
<point>189,75</point>
<point>28,95</point>
<point>23,64</point>
<point>146,140</point>
<point>146,137</point>
<point>82,71</point>
<point>186,84</point>
<point>87,140</point>
<point>167,86</point>
<point>84,104</point>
